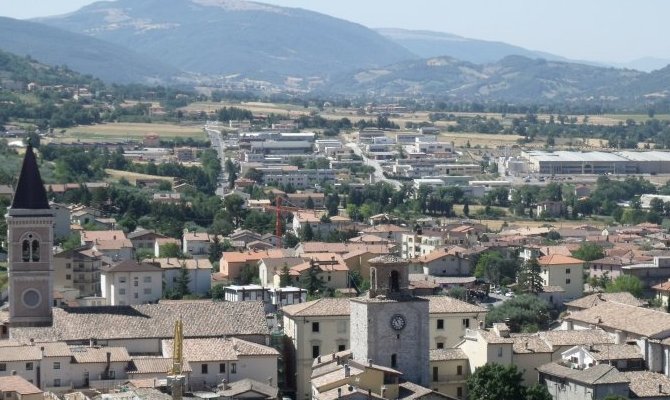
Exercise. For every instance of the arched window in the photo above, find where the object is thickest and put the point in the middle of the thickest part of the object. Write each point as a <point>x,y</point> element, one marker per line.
<point>35,250</point>
<point>394,360</point>
<point>25,251</point>
<point>395,281</point>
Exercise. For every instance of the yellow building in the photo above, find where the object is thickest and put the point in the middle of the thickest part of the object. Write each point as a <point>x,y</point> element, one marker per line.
<point>449,372</point>
<point>566,272</point>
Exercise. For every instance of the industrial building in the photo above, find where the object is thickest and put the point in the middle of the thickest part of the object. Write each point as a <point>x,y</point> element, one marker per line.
<point>598,162</point>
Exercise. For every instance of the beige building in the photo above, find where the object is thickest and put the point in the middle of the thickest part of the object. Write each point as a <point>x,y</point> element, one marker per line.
<point>214,360</point>
<point>78,269</point>
<point>332,270</point>
<point>113,244</point>
<point>450,319</point>
<point>449,372</point>
<point>129,283</point>
<point>566,272</point>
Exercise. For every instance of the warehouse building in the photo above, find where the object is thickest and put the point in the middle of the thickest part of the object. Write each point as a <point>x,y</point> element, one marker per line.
<point>597,162</point>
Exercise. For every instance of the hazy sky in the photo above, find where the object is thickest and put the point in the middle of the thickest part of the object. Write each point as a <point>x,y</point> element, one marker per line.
<point>600,30</point>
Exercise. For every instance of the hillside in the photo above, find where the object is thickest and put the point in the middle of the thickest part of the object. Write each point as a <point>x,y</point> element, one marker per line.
<point>514,78</point>
<point>234,37</point>
<point>109,62</point>
<point>428,44</point>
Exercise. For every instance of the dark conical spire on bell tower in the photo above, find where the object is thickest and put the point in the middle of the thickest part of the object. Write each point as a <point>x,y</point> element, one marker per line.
<point>30,193</point>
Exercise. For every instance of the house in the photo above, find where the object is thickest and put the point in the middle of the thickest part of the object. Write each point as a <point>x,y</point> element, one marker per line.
<point>245,293</point>
<point>78,269</point>
<point>594,383</point>
<point>198,271</point>
<point>449,370</point>
<point>286,296</point>
<point>197,244</point>
<point>650,274</point>
<point>111,243</point>
<point>301,200</point>
<point>389,231</point>
<point>450,319</point>
<point>598,298</point>
<point>270,269</point>
<point>549,209</point>
<point>232,262</point>
<point>247,389</point>
<point>213,360</point>
<point>154,369</point>
<point>662,292</point>
<point>17,388</point>
<point>159,242</point>
<point>167,198</point>
<point>62,219</point>
<point>444,262</point>
<point>320,223</point>
<point>144,239</point>
<point>565,272</point>
<point>332,270</point>
<point>129,283</point>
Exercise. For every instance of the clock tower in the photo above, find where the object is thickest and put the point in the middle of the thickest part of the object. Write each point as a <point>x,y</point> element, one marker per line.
<point>29,240</point>
<point>389,325</point>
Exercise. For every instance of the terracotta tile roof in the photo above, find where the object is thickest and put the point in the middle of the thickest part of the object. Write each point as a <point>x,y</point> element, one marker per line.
<point>601,374</point>
<point>110,235</point>
<point>604,352</point>
<point>446,304</point>
<point>320,307</point>
<point>17,384</point>
<point>200,237</point>
<point>576,337</point>
<point>201,319</point>
<point>335,376</point>
<point>385,228</point>
<point>491,337</point>
<point>131,266</point>
<point>662,287</point>
<point>250,256</point>
<point>558,259</point>
<point>636,320</point>
<point>343,248</point>
<point>239,388</point>
<point>369,239</point>
<point>447,354</point>
<point>102,245</point>
<point>154,365</point>
<point>175,263</point>
<point>20,353</point>
<point>598,298</point>
<point>218,349</point>
<point>85,355</point>
<point>528,344</point>
<point>55,349</point>
<point>645,384</point>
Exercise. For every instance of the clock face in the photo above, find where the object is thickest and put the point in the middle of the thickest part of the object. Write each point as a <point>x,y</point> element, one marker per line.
<point>398,322</point>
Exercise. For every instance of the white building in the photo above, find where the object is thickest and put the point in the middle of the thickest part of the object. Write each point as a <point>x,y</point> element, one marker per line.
<point>129,283</point>
<point>199,273</point>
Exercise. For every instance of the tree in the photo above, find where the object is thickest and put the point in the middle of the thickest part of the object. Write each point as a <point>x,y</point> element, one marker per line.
<point>285,276</point>
<point>496,382</point>
<point>215,249</point>
<point>313,282</point>
<point>526,313</point>
<point>309,203</point>
<point>168,250</point>
<point>234,205</point>
<point>466,208</point>
<point>625,283</point>
<point>290,240</point>
<point>530,280</point>
<point>306,233</point>
<point>497,270</point>
<point>217,292</point>
<point>249,274</point>
<point>588,251</point>
<point>538,392</point>
<point>458,292</point>
<point>183,280</point>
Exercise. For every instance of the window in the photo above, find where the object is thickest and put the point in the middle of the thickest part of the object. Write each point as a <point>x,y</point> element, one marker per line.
<point>567,270</point>
<point>122,291</point>
<point>147,279</point>
<point>136,295</point>
<point>466,322</point>
<point>315,351</point>
<point>68,277</point>
<point>394,361</point>
<point>122,279</point>
<point>136,283</point>
<point>500,351</point>
<point>147,290</point>
<point>341,326</point>
<point>222,368</point>
<point>315,327</point>
<point>567,281</point>
<point>3,367</point>
<point>459,392</point>
<point>436,374</point>
<point>29,366</point>
<point>459,370</point>
<point>68,265</point>
<point>440,324</point>
<point>56,365</point>
<point>329,278</point>
<point>341,347</point>
<point>233,368</point>
<point>203,368</point>
<point>440,345</point>
<point>112,374</point>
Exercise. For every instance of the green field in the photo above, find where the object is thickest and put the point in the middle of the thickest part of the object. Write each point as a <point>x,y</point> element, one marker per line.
<point>127,131</point>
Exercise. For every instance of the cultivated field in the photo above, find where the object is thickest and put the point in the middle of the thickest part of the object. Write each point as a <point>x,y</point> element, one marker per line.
<point>127,131</point>
<point>132,177</point>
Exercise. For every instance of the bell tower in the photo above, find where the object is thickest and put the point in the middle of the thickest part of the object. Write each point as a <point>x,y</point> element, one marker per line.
<point>389,326</point>
<point>30,240</point>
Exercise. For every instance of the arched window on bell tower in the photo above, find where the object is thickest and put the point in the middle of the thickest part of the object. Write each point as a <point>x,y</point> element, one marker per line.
<point>30,248</point>
<point>395,281</point>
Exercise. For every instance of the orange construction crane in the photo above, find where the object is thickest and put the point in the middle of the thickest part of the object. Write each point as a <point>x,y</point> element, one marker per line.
<point>278,208</point>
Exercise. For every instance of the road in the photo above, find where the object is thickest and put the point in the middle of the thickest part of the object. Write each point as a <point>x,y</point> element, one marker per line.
<point>379,172</point>
<point>219,145</point>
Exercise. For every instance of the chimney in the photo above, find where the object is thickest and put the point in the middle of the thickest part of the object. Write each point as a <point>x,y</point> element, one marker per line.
<point>347,371</point>
<point>225,384</point>
<point>369,362</point>
<point>370,393</point>
<point>339,392</point>
<point>32,341</point>
<point>109,357</point>
<point>318,359</point>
